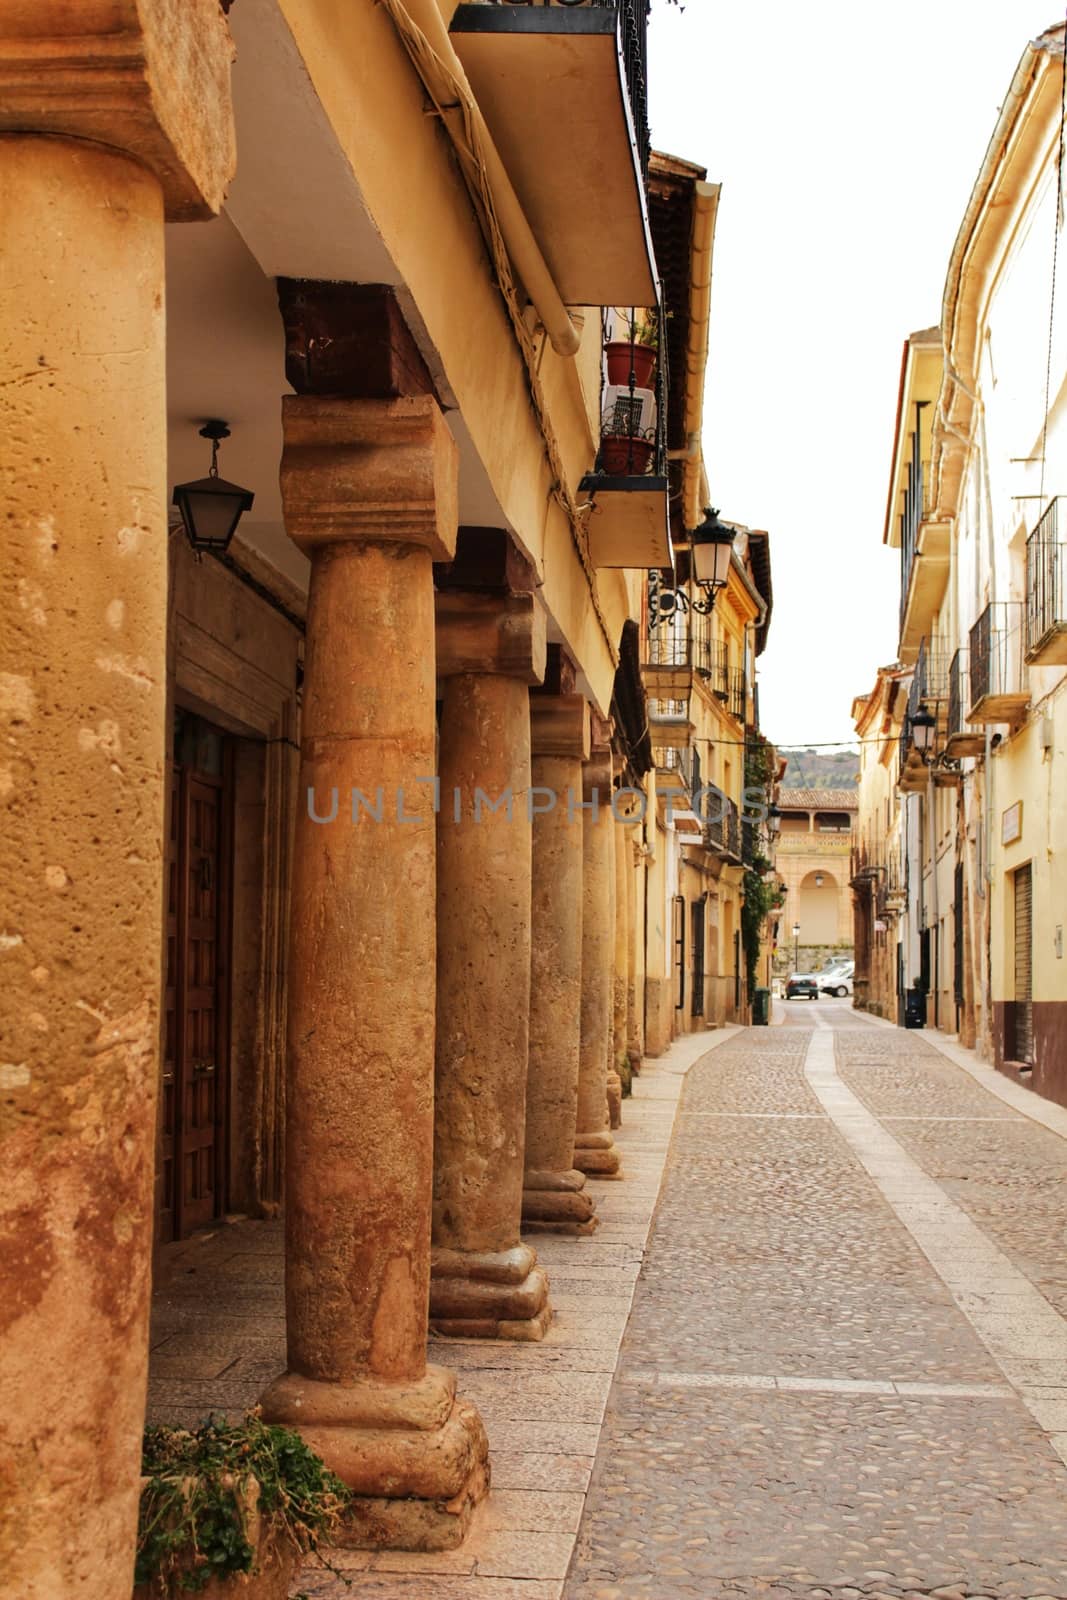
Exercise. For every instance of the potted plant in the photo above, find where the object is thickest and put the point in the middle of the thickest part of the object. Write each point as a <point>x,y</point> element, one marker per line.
<point>626,455</point>
<point>228,1509</point>
<point>637,352</point>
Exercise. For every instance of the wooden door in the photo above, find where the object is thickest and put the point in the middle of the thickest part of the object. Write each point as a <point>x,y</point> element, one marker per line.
<point>195,1055</point>
<point>1024,966</point>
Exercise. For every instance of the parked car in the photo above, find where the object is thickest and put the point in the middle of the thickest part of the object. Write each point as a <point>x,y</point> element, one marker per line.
<point>837,983</point>
<point>802,986</point>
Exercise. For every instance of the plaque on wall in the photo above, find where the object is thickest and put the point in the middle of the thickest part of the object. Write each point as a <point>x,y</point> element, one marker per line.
<point>1011,823</point>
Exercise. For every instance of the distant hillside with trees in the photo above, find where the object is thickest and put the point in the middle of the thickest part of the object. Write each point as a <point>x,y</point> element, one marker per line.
<point>821,769</point>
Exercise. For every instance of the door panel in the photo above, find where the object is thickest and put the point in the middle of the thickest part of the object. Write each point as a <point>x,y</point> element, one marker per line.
<point>1024,966</point>
<point>193,1119</point>
<point>200,1075</point>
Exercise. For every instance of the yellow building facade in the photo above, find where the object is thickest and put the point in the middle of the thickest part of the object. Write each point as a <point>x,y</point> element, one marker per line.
<point>975,509</point>
<point>813,855</point>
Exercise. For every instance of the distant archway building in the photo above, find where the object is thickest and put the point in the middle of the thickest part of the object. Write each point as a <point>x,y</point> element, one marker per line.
<point>813,863</point>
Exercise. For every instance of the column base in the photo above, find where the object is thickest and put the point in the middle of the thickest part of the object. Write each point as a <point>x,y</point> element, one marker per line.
<point>415,1457</point>
<point>488,1294</point>
<point>595,1154</point>
<point>558,1202</point>
<point>614,1100</point>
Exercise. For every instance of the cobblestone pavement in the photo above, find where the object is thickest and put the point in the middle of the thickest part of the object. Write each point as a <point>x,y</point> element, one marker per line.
<point>806,1403</point>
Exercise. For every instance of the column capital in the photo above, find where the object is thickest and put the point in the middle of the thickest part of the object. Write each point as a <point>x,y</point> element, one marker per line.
<point>369,471</point>
<point>150,78</point>
<point>559,725</point>
<point>502,635</point>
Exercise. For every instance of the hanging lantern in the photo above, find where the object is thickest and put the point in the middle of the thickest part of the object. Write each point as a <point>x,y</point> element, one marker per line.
<point>210,507</point>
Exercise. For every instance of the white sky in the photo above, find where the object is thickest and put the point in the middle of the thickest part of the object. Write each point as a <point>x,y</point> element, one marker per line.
<point>847,138</point>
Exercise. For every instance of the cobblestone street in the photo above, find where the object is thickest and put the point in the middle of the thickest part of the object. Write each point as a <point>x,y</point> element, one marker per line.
<point>846,1366</point>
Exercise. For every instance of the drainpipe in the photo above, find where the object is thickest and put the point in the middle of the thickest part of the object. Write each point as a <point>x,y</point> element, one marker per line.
<point>442,72</point>
<point>935,905</point>
<point>705,212</point>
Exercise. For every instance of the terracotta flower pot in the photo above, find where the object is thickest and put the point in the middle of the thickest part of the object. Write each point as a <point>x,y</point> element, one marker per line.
<point>623,457</point>
<point>622,355</point>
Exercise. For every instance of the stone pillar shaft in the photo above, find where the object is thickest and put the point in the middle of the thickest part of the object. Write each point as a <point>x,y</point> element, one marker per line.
<point>621,948</point>
<point>635,917</point>
<point>359,1103</point>
<point>94,158</point>
<point>82,690</point>
<point>368,488</point>
<point>486,1282</point>
<point>555,1197</point>
<point>595,1150</point>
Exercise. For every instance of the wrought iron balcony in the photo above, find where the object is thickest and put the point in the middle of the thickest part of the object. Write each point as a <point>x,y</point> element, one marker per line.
<point>1046,603</point>
<point>628,521</point>
<point>722,834</point>
<point>929,692</point>
<point>680,650</point>
<point>736,701</point>
<point>563,89</point>
<point>998,677</point>
<point>674,769</point>
<point>960,738</point>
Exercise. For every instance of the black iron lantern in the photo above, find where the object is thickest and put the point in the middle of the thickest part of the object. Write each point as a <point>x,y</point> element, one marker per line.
<point>922,731</point>
<point>210,507</point>
<point>709,568</point>
<point>713,548</point>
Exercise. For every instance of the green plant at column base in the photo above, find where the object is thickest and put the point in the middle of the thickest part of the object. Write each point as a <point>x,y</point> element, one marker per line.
<point>626,1075</point>
<point>760,895</point>
<point>206,1488</point>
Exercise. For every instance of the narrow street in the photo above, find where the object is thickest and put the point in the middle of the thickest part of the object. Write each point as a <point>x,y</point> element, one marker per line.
<point>846,1366</point>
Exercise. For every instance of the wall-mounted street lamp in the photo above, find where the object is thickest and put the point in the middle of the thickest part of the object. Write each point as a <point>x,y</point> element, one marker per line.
<point>923,727</point>
<point>818,880</point>
<point>774,821</point>
<point>210,507</point>
<point>712,551</point>
<point>713,548</point>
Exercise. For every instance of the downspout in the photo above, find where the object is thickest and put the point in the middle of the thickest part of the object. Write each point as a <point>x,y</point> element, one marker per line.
<point>705,213</point>
<point>935,905</point>
<point>422,29</point>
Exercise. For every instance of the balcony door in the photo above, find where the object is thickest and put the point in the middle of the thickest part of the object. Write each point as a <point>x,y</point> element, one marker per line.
<point>1023,1046</point>
<point>196,1042</point>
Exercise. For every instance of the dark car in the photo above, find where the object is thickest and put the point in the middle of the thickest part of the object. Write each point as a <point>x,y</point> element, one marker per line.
<point>800,987</point>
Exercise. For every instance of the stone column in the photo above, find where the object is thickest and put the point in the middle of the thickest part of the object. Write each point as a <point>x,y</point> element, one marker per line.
<point>594,1148</point>
<point>555,1198</point>
<point>623,941</point>
<point>485,1282</point>
<point>635,1009</point>
<point>102,139</point>
<point>369,493</point>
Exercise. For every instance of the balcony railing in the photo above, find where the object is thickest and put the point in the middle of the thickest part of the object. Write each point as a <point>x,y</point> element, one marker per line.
<point>915,507</point>
<point>1046,603</point>
<point>722,833</point>
<point>674,767</point>
<point>998,676</point>
<point>735,693</point>
<point>684,641</point>
<point>929,692</point>
<point>960,738</point>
